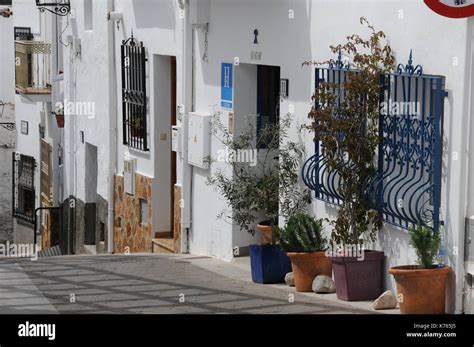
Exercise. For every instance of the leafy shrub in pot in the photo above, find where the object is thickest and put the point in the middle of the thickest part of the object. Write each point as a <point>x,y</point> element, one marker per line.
<point>421,288</point>
<point>260,193</point>
<point>349,135</point>
<point>302,239</point>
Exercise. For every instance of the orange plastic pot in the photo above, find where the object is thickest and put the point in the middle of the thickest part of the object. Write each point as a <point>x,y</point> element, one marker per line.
<point>421,291</point>
<point>306,266</point>
<point>266,231</point>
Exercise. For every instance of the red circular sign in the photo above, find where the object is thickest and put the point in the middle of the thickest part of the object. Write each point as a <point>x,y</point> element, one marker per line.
<point>456,10</point>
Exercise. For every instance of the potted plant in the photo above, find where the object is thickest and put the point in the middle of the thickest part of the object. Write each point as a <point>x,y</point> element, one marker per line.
<point>136,126</point>
<point>304,244</point>
<point>421,288</point>
<point>345,120</point>
<point>59,114</point>
<point>262,191</point>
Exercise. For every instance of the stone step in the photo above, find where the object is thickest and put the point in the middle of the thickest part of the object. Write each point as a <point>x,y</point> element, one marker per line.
<point>50,252</point>
<point>163,235</point>
<point>163,245</point>
<point>90,249</point>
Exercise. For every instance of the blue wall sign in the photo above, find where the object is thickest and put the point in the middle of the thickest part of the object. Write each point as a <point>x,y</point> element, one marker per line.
<point>226,85</point>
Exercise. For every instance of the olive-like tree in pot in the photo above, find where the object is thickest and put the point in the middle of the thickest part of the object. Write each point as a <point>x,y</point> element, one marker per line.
<point>348,130</point>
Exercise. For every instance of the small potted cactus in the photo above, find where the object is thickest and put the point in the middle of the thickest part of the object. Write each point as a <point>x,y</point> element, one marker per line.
<point>305,246</point>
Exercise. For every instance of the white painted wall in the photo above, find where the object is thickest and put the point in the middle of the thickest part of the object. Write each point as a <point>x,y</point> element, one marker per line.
<point>87,81</point>
<point>284,42</point>
<point>469,265</point>
<point>7,57</point>
<point>317,24</point>
<point>26,14</point>
<point>7,114</point>
<point>231,35</point>
<point>26,108</point>
<point>156,25</point>
<point>29,108</point>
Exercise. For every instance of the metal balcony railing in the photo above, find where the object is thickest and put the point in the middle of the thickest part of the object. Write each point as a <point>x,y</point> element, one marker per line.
<point>33,67</point>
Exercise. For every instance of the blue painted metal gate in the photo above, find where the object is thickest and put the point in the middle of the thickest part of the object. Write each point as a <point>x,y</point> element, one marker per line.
<point>406,188</point>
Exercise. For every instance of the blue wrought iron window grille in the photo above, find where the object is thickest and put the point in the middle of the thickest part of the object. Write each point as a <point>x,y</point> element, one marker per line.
<point>406,187</point>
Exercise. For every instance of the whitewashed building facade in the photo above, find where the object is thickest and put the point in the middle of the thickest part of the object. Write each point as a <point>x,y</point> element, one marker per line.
<point>133,192</point>
<point>28,71</point>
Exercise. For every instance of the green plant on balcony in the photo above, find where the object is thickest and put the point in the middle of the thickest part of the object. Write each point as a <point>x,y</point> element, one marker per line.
<point>136,126</point>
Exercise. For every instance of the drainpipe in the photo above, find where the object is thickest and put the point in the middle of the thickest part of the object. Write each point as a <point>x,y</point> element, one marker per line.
<point>72,147</point>
<point>112,127</point>
<point>186,99</point>
<point>56,136</point>
<point>469,93</point>
<point>465,179</point>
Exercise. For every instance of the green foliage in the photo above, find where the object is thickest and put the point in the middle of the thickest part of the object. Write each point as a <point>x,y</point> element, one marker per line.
<point>426,242</point>
<point>301,234</point>
<point>135,121</point>
<point>349,134</point>
<point>271,188</point>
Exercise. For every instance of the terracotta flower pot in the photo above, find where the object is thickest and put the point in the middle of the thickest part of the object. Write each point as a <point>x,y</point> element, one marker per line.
<point>60,120</point>
<point>306,266</point>
<point>266,231</point>
<point>421,291</point>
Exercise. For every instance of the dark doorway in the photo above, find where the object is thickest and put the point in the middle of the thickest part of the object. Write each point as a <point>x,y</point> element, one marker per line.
<point>268,97</point>
<point>173,154</point>
<point>165,159</point>
<point>91,194</point>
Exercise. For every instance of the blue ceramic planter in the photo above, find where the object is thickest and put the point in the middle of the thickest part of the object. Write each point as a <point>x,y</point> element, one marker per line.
<point>269,263</point>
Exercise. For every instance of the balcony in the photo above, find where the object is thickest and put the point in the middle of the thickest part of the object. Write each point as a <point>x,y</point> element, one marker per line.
<point>33,69</point>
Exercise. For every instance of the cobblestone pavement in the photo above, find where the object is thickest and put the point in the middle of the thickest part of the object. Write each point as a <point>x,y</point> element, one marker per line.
<point>162,284</point>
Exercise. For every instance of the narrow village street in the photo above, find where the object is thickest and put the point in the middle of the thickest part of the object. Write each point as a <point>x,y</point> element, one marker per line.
<point>166,162</point>
<point>159,284</point>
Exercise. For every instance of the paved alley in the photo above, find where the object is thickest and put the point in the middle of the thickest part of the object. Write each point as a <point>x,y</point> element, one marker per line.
<point>157,284</point>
